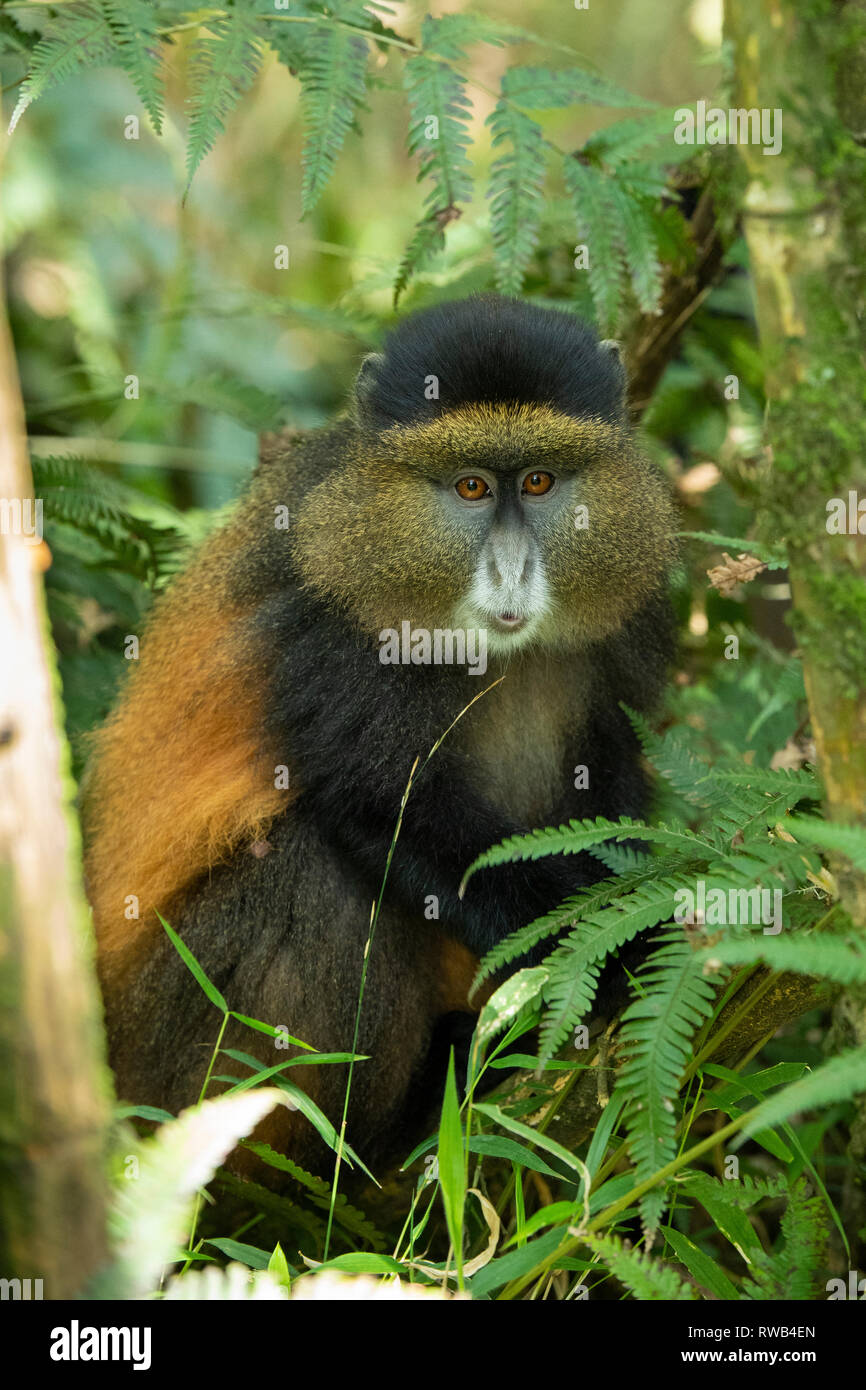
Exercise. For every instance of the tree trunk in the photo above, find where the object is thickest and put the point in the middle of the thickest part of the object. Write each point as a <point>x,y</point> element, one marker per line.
<point>804,215</point>
<point>54,1086</point>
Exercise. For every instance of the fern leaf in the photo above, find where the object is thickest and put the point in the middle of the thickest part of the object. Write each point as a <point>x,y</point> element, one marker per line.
<point>222,69</point>
<point>800,783</point>
<point>849,840</point>
<point>589,194</point>
<point>657,1032</point>
<point>573,967</point>
<point>634,230</point>
<point>136,25</point>
<point>637,136</point>
<point>580,835</point>
<point>569,998</point>
<point>80,38</point>
<point>546,89</point>
<point>516,183</point>
<point>14,39</point>
<point>647,1278</point>
<point>841,1078</point>
<point>797,1270</point>
<point>439,113</point>
<point>333,85</point>
<point>621,859</point>
<point>826,957</point>
<point>774,557</point>
<point>674,761</point>
<point>588,901</point>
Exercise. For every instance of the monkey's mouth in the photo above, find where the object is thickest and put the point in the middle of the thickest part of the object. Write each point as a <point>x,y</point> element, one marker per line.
<point>508,622</point>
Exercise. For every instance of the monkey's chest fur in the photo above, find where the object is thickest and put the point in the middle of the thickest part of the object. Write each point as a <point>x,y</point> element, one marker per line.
<point>520,736</point>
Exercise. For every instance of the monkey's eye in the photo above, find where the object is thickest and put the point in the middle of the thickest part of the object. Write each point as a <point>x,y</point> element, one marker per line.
<point>472,489</point>
<point>537,484</point>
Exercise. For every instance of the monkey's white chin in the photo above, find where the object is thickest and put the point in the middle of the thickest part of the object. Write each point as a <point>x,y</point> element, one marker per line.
<point>503,637</point>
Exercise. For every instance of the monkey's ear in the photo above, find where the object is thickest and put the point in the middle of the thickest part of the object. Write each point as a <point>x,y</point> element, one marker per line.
<point>612,350</point>
<point>365,383</point>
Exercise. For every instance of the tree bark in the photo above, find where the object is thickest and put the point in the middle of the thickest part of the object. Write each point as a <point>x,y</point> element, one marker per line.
<point>54,1085</point>
<point>804,216</point>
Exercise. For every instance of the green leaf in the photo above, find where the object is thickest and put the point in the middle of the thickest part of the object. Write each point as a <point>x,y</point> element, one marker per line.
<point>700,1266</point>
<point>842,1078</point>
<point>824,956</point>
<point>272,1032</point>
<point>333,85</point>
<point>647,1278</point>
<point>515,193</point>
<point>249,1255</point>
<point>452,1164</point>
<point>136,25</point>
<point>849,840</point>
<point>579,835</point>
<point>589,192</point>
<point>506,1002</point>
<point>439,115</point>
<point>545,89</point>
<point>278,1266</point>
<point>194,968</point>
<point>222,68</point>
<point>493,1112</point>
<point>497,1146</point>
<point>79,38</point>
<point>727,1215</point>
<point>657,1032</point>
<point>143,1112</point>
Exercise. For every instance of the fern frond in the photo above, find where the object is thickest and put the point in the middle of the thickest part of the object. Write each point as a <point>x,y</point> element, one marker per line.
<point>79,38</point>
<point>569,998</point>
<point>842,1078</point>
<point>635,232</point>
<point>577,908</point>
<point>849,840</point>
<point>637,136</point>
<point>223,67</point>
<point>428,239</point>
<point>333,86</point>
<point>14,39</point>
<point>136,25</point>
<point>673,760</point>
<point>589,194</point>
<point>621,859</point>
<point>824,956</point>
<point>516,183</point>
<point>578,959</point>
<point>657,1032</point>
<point>774,557</point>
<point>579,835</point>
<point>548,89</point>
<point>439,114</point>
<point>225,394</point>
<point>772,781</point>
<point>798,1269</point>
<point>644,1276</point>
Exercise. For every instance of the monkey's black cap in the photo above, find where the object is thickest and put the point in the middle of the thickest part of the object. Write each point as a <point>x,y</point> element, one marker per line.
<point>489,348</point>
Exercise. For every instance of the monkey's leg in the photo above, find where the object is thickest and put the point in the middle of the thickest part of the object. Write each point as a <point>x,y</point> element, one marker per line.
<point>282,937</point>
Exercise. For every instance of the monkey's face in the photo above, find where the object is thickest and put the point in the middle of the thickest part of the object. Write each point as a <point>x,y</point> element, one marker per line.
<point>539,528</point>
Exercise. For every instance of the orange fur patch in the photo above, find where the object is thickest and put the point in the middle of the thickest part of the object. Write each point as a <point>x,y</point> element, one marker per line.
<point>457,969</point>
<point>179,776</point>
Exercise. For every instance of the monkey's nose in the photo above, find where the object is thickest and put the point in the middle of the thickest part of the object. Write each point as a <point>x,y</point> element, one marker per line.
<point>510,560</point>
